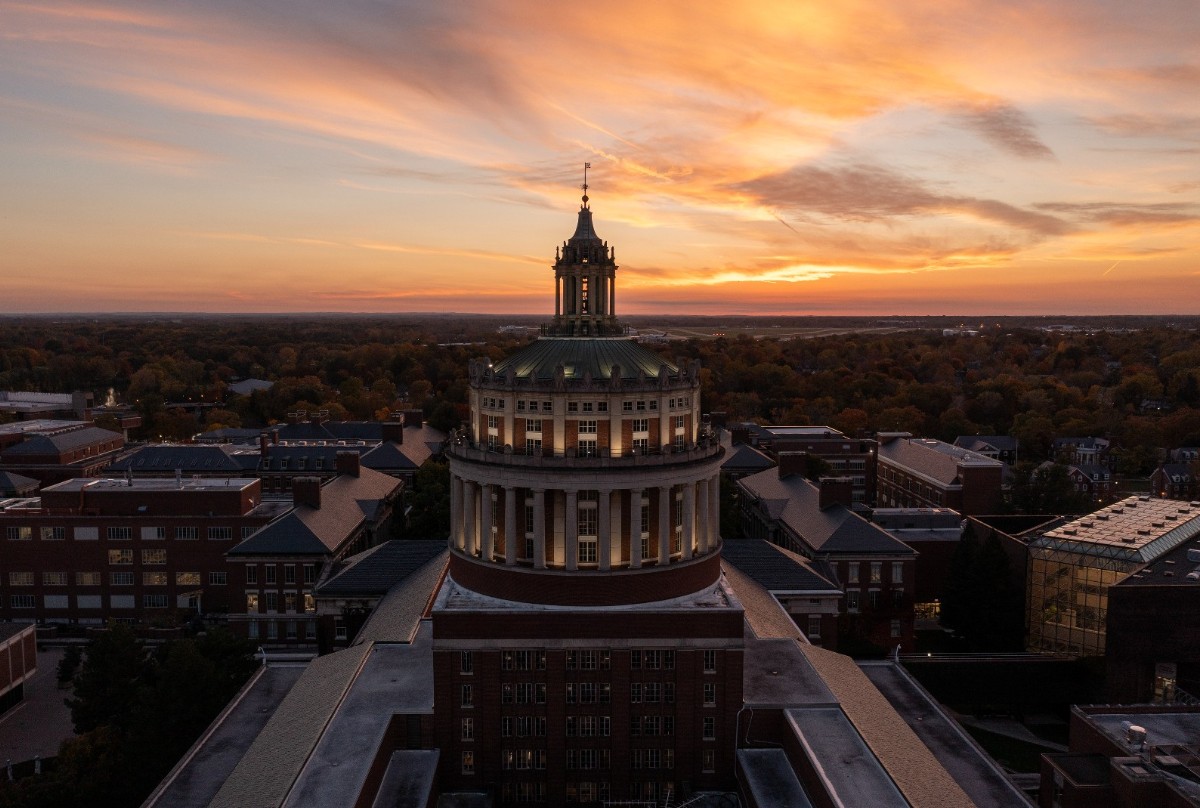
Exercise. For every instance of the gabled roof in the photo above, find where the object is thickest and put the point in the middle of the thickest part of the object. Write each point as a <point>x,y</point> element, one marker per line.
<point>347,502</point>
<point>981,443</point>
<point>777,569</point>
<point>795,502</point>
<point>746,458</point>
<point>62,441</point>
<point>373,572</point>
<point>1092,471</point>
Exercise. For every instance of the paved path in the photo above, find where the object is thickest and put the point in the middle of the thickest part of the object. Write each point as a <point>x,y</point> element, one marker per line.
<point>39,724</point>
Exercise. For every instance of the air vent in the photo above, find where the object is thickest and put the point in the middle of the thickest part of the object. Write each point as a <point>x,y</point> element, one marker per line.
<point>1143,531</point>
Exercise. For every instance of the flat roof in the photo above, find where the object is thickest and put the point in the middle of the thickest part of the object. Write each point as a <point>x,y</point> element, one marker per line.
<point>769,777</point>
<point>842,759</point>
<point>454,596</point>
<point>408,780</point>
<point>1144,528</point>
<point>154,484</point>
<point>40,425</point>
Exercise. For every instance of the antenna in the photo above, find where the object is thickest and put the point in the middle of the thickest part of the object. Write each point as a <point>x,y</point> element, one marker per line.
<point>586,166</point>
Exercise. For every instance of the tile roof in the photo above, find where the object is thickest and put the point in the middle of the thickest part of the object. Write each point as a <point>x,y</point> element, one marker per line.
<point>775,568</point>
<point>398,616</point>
<point>306,530</point>
<point>763,613</point>
<point>795,502</point>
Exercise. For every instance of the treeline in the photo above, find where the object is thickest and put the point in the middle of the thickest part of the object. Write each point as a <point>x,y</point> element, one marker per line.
<point>1140,388</point>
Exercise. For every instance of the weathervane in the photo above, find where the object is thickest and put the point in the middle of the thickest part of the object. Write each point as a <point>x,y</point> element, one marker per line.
<point>586,166</point>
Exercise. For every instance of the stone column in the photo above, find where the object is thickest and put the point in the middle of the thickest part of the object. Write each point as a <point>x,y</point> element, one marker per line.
<point>486,518</point>
<point>689,521</point>
<point>664,524</point>
<point>603,523</point>
<point>635,528</point>
<point>571,529</point>
<point>456,512</point>
<point>557,294</point>
<point>539,528</point>
<point>703,519</point>
<point>510,525</point>
<point>714,512</point>
<point>470,536</point>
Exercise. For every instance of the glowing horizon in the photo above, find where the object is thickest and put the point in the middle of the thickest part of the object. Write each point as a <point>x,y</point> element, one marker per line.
<point>900,158</point>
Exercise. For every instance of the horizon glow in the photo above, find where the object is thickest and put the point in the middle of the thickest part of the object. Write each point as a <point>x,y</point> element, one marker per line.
<point>777,158</point>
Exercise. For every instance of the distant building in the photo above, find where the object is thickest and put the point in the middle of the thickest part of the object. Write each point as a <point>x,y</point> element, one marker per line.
<point>846,456</point>
<point>1094,481</point>
<point>998,447</point>
<point>806,589</point>
<point>1085,451</point>
<point>53,451</point>
<point>28,406</point>
<point>1072,568</point>
<point>247,386</point>
<point>1175,481</point>
<point>934,533</point>
<point>928,473</point>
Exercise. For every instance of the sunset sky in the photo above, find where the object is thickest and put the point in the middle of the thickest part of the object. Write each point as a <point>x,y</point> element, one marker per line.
<point>777,158</point>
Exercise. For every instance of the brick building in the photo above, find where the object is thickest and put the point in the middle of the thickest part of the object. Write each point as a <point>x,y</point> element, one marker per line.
<point>53,451</point>
<point>928,473</point>
<point>851,457</point>
<point>90,550</point>
<point>876,571</point>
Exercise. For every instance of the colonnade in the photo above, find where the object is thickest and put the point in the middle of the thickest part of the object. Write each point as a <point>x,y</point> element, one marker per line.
<point>491,521</point>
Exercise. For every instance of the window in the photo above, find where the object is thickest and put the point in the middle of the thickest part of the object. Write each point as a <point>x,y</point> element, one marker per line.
<point>873,598</point>
<point>289,601</point>
<point>895,629</point>
<point>587,427</point>
<point>467,732</point>
<point>466,663</point>
<point>187,579</point>
<point>54,579</point>
<point>248,531</point>
<point>88,578</point>
<point>876,572</point>
<point>710,729</point>
<point>310,573</point>
<point>271,572</point>
<point>310,602</point>
<point>20,579</point>
<point>897,597</point>
<point>289,573</point>
<point>251,602</point>
<point>710,661</point>
<point>271,601</point>
<point>468,762</point>
<point>467,696</point>
<point>626,406</point>
<point>852,572</point>
<point>586,448</point>
<point>154,601</point>
<point>641,425</point>
<point>814,626</point>
<point>218,578</point>
<point>708,760</point>
<point>120,556</point>
<point>54,533</point>
<point>187,533</point>
<point>20,533</point>
<point>23,601</point>
<point>251,574</point>
<point>220,533</point>
<point>120,533</point>
<point>897,572</point>
<point>154,579</point>
<point>852,600</point>
<point>154,557</point>
<point>588,406</point>
<point>121,578</point>
<point>710,694</point>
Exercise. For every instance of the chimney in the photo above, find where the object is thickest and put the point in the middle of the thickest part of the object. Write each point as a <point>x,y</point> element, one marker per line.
<point>836,491</point>
<point>296,417</point>
<point>274,436</point>
<point>414,418</point>
<point>262,443</point>
<point>739,433</point>
<point>393,430</point>
<point>885,438</point>
<point>347,463</point>
<point>792,463</point>
<point>306,491</point>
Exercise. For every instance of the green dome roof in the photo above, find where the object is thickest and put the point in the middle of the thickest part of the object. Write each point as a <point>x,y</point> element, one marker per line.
<point>580,357</point>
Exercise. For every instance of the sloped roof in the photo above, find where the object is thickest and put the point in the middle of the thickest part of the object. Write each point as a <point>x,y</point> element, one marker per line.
<point>62,441</point>
<point>795,502</point>
<point>746,458</point>
<point>307,531</point>
<point>773,567</point>
<point>979,443</point>
<point>398,616</point>
<point>13,485</point>
<point>932,458</point>
<point>580,357</point>
<point>187,458</point>
<point>373,572</point>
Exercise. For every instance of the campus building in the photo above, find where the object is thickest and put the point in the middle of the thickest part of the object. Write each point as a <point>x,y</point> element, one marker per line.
<point>929,473</point>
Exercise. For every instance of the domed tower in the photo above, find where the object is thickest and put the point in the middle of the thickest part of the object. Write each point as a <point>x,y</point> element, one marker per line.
<point>584,476</point>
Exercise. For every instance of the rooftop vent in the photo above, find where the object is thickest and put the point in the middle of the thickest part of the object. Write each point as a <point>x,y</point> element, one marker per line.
<point>1118,510</point>
<point>1142,531</point>
<point>1158,524</point>
<point>1087,524</point>
<point>1102,516</point>
<point>1070,531</point>
<point>1193,554</point>
<point>1144,498</point>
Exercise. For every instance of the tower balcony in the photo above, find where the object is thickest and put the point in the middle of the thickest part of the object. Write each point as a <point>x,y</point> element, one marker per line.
<point>461,447</point>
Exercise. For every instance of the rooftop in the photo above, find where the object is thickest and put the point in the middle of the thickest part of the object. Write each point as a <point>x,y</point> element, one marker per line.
<point>932,458</point>
<point>153,484</point>
<point>1137,528</point>
<point>580,358</point>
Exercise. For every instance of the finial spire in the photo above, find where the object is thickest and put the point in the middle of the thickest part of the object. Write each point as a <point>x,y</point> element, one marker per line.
<point>586,166</point>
